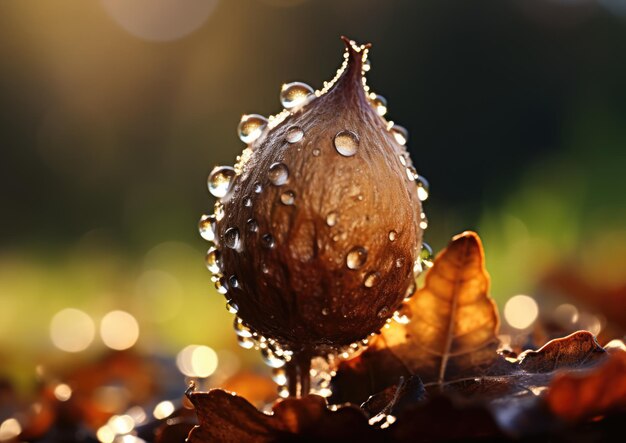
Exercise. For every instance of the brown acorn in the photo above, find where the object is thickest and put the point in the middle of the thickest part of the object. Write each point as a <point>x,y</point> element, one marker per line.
<point>319,225</point>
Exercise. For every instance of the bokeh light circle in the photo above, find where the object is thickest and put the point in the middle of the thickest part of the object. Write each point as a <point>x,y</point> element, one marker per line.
<point>72,330</point>
<point>521,311</point>
<point>159,20</point>
<point>119,330</point>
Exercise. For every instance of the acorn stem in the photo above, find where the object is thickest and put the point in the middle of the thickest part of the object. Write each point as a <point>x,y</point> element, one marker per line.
<point>298,371</point>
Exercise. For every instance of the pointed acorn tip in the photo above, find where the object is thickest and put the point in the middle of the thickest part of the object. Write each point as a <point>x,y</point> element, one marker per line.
<point>351,44</point>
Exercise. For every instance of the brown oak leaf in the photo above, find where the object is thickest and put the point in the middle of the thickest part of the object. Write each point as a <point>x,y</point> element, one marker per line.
<point>226,417</point>
<point>452,330</point>
<point>577,395</point>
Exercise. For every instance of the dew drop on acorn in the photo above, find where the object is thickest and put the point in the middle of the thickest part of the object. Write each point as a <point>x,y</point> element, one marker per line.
<point>233,282</point>
<point>410,290</point>
<point>232,238</point>
<point>268,241</point>
<point>401,318</point>
<point>213,261</point>
<point>278,174</point>
<point>356,257</point>
<point>232,307</point>
<point>331,219</point>
<point>422,187</point>
<point>411,173</point>
<point>294,134</point>
<point>241,329</point>
<point>383,312</point>
<point>258,188</point>
<point>295,94</point>
<point>400,134</point>
<point>288,198</point>
<point>316,152</point>
<point>393,235</point>
<point>245,342</point>
<point>247,202</point>
<point>346,143</point>
<point>379,103</point>
<point>426,256</point>
<point>370,279</point>
<point>271,359</point>
<point>221,286</point>
<point>423,220</point>
<point>221,181</point>
<point>252,225</point>
<point>251,127</point>
<point>206,227</point>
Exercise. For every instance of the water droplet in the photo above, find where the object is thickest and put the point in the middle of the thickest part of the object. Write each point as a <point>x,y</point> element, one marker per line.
<point>247,202</point>
<point>268,241</point>
<point>401,318</point>
<point>279,376</point>
<point>221,285</point>
<point>294,134</point>
<point>231,238</point>
<point>221,181</point>
<point>346,143</point>
<point>370,279</point>
<point>426,256</point>
<point>245,342</point>
<point>422,187</point>
<point>411,173</point>
<point>258,188</point>
<point>241,329</point>
<point>410,290</point>
<point>264,268</point>
<point>252,225</point>
<point>206,227</point>
<point>331,219</point>
<point>367,66</point>
<point>356,257</point>
<point>219,210</point>
<point>423,221</point>
<point>233,282</point>
<point>278,174</point>
<point>295,94</point>
<point>393,235</point>
<point>402,159</point>
<point>232,307</point>
<point>288,198</point>
<point>383,312</point>
<point>379,103</point>
<point>271,359</point>
<point>251,127</point>
<point>325,311</point>
<point>316,152</point>
<point>213,263</point>
<point>400,134</point>
<point>399,262</point>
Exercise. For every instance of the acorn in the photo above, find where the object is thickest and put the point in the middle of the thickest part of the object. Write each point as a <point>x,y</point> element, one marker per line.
<point>318,227</point>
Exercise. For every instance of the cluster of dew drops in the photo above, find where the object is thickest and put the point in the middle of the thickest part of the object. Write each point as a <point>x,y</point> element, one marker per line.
<point>293,97</point>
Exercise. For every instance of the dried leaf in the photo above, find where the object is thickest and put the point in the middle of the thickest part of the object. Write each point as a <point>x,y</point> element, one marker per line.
<point>395,399</point>
<point>226,417</point>
<point>575,396</point>
<point>452,332</point>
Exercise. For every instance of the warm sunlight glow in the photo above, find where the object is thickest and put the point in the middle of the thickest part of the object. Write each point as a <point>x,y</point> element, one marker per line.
<point>197,361</point>
<point>119,330</point>
<point>72,330</point>
<point>521,311</point>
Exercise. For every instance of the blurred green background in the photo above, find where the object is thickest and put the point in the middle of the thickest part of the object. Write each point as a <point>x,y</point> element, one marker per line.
<point>113,112</point>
